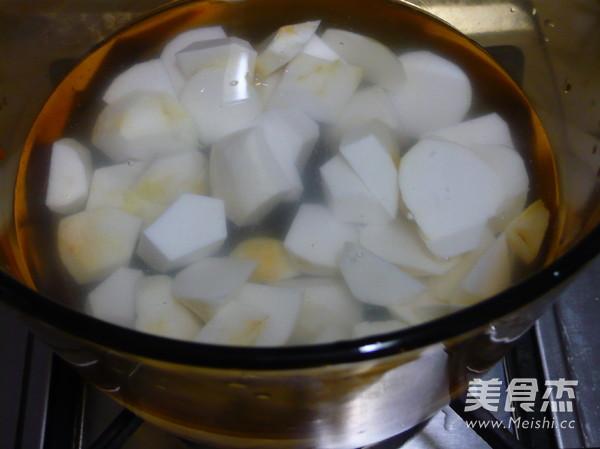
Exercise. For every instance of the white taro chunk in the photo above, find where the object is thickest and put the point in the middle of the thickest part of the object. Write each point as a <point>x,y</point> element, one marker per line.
<point>451,193</point>
<point>69,177</point>
<point>259,315</point>
<point>110,186</point>
<point>349,199</point>
<point>94,243</point>
<point>436,93</point>
<point>181,41</point>
<point>374,280</point>
<point>380,65</point>
<point>234,55</point>
<point>382,133</point>
<point>369,105</point>
<point>149,75</point>
<point>143,124</point>
<point>157,312</point>
<point>285,142</point>
<point>283,46</point>
<point>398,242</point>
<point>525,234</point>
<point>371,161</point>
<point>114,299</point>
<point>319,49</point>
<point>489,129</point>
<point>274,262</point>
<point>370,328</point>
<point>330,334</point>
<point>114,186</point>
<point>245,174</point>
<point>146,190</point>
<point>318,85</point>
<point>266,86</point>
<point>166,178</point>
<point>408,312</point>
<point>490,138</point>
<point>220,103</point>
<point>447,287</point>
<point>282,305</point>
<point>207,284</point>
<point>512,173</point>
<point>424,308</point>
<point>234,324</point>
<point>492,272</point>
<point>193,227</point>
<point>328,304</point>
<point>315,240</point>
<point>291,134</point>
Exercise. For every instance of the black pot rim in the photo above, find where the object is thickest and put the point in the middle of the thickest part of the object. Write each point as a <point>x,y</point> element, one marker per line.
<point>128,341</point>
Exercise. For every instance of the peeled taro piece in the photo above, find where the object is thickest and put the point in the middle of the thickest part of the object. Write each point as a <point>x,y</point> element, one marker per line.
<point>159,313</point>
<point>143,124</point>
<point>94,243</point>
<point>246,175</point>
<point>315,240</point>
<point>283,46</point>
<point>149,75</point>
<point>113,299</point>
<point>380,65</point>
<point>437,93</point>
<point>375,281</point>
<point>206,285</point>
<point>259,315</point>
<point>181,41</point>
<point>349,199</point>
<point>70,176</point>
<point>192,228</point>
<point>451,193</point>
<point>319,85</point>
<point>221,102</point>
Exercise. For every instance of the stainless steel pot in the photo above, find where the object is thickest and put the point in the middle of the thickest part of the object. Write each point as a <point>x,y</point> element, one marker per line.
<point>342,395</point>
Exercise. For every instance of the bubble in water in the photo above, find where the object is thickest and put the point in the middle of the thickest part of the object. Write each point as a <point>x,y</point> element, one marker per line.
<point>234,83</point>
<point>534,12</point>
<point>556,274</point>
<point>512,9</point>
<point>568,86</point>
<point>262,396</point>
<point>549,23</point>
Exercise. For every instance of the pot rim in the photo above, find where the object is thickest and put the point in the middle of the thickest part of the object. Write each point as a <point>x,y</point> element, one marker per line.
<point>136,343</point>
